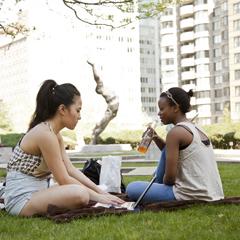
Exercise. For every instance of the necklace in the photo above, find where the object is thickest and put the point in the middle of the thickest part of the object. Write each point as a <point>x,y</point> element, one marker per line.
<point>49,125</point>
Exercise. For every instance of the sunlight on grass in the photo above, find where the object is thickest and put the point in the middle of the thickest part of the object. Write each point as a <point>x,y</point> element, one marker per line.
<point>198,222</point>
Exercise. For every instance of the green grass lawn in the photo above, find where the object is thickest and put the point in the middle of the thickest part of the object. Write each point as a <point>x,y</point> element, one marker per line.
<point>198,222</point>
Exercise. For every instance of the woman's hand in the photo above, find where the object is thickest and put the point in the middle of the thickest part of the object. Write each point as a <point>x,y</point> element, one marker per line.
<point>156,138</point>
<point>109,199</point>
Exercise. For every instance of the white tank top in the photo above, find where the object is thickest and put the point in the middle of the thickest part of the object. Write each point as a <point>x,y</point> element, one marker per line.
<point>197,172</point>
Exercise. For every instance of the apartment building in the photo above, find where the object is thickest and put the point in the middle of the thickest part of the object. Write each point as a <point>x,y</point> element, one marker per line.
<point>150,66</point>
<point>233,9</point>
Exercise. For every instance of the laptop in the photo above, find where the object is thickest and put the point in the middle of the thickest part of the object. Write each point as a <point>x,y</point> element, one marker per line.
<point>136,204</point>
<point>133,206</point>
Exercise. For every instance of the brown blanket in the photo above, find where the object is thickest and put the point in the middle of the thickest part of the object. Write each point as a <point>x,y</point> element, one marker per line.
<point>60,215</point>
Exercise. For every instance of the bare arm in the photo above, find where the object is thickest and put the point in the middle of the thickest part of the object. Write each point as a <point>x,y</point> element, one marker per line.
<point>74,172</point>
<point>172,155</point>
<point>176,138</point>
<point>51,152</point>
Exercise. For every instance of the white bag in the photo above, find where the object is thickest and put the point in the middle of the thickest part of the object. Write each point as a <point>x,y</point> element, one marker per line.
<point>110,174</point>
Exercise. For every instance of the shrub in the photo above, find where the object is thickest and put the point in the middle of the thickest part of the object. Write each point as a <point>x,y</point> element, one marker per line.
<point>11,139</point>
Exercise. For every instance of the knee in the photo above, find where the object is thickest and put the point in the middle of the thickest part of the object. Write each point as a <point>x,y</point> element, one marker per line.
<point>132,189</point>
<point>81,195</point>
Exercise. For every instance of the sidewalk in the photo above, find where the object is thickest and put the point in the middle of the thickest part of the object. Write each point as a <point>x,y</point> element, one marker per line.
<point>226,156</point>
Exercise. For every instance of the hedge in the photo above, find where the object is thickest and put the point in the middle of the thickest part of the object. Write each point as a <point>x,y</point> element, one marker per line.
<point>222,136</point>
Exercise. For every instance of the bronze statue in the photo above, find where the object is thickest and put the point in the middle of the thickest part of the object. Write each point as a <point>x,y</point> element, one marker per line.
<point>112,106</point>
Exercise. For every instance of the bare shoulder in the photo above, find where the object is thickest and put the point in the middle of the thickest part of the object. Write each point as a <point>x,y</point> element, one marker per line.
<point>177,132</point>
<point>45,137</point>
<point>36,138</point>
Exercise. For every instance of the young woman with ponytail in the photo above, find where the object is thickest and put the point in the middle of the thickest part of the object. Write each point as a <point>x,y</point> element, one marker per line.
<point>187,168</point>
<point>41,153</point>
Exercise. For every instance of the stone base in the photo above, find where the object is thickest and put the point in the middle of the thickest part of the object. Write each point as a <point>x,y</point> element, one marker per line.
<point>105,148</point>
<point>5,154</point>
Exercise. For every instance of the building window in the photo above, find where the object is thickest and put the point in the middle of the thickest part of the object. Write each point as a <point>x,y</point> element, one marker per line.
<point>237,41</point>
<point>168,11</point>
<point>216,11</point>
<point>224,35</point>
<point>198,2</point>
<point>217,52</point>
<point>218,79</point>
<point>237,74</point>
<point>237,107</point>
<point>224,49</point>
<point>224,6</point>
<point>236,25</point>
<point>169,49</point>
<point>201,15</point>
<point>237,58</point>
<point>236,8</point>
<point>226,92</point>
<point>218,93</point>
<point>218,106</point>
<point>237,91</point>
<point>144,80</point>
<point>151,90</point>
<point>217,39</point>
<point>216,25</point>
<point>167,24</point>
<point>203,94</point>
<point>217,66</point>
<point>226,77</point>
<point>224,21</point>
<point>202,54</point>
<point>168,61</point>
<point>225,63</point>
<point>201,27</point>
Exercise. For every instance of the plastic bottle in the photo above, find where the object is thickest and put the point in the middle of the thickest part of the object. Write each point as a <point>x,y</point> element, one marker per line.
<point>146,138</point>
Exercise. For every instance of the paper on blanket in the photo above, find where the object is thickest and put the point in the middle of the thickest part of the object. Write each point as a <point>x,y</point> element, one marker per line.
<point>127,205</point>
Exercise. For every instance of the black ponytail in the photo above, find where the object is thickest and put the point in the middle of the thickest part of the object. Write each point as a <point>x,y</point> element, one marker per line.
<point>49,97</point>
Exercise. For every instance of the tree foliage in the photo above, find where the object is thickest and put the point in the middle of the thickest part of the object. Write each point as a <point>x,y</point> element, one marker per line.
<point>108,13</point>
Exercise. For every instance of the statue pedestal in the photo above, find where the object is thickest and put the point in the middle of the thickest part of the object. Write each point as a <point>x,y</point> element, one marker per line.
<point>5,154</point>
<point>104,148</point>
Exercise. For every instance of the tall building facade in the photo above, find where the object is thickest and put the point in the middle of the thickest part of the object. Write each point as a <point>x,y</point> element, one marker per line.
<point>194,35</point>
<point>199,49</point>
<point>183,39</point>
<point>233,9</point>
<point>220,81</point>
<point>149,66</point>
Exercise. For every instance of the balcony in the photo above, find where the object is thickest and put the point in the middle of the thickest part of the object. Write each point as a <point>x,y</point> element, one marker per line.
<point>187,49</point>
<point>186,11</point>
<point>187,23</point>
<point>188,62</point>
<point>200,101</point>
<point>187,36</point>
<point>187,87</point>
<point>167,30</point>
<point>188,75</point>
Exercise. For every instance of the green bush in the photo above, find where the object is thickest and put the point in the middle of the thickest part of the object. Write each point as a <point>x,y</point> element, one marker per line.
<point>11,139</point>
<point>222,136</point>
